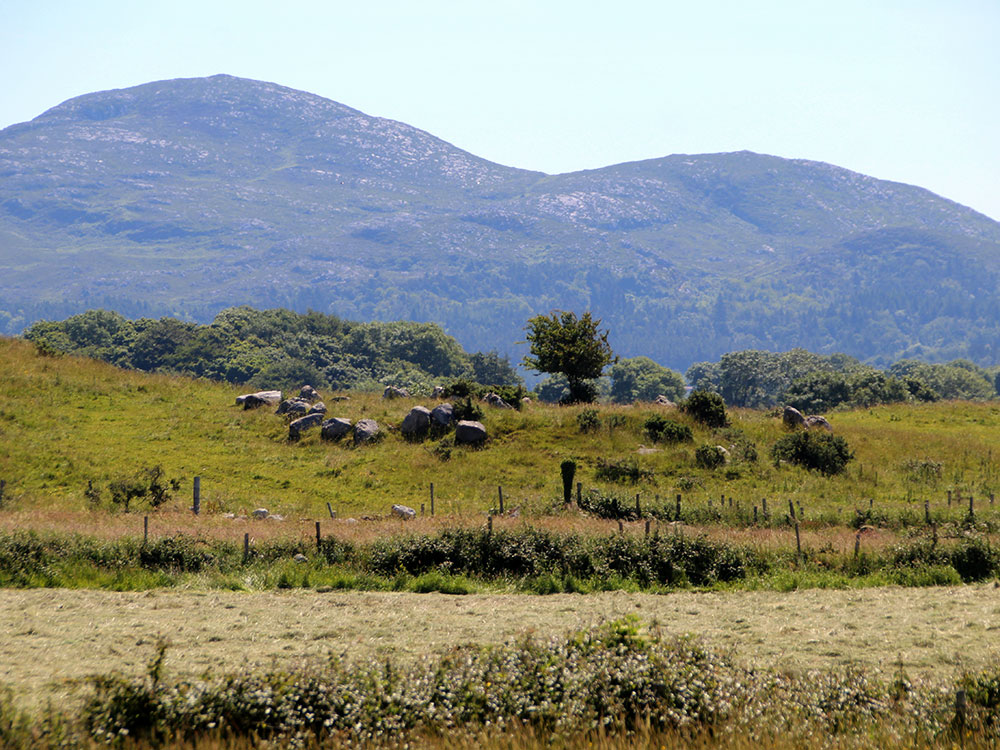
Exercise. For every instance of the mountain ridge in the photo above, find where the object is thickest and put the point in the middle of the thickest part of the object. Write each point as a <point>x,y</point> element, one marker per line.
<point>187,196</point>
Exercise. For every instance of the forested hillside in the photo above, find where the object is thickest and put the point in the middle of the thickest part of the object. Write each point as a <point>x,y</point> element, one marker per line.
<point>183,198</point>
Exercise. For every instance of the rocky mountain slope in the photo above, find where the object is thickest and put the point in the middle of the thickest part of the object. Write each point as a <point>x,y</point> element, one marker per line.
<point>183,197</point>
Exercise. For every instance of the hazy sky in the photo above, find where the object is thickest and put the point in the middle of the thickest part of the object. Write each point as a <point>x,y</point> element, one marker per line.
<point>905,90</point>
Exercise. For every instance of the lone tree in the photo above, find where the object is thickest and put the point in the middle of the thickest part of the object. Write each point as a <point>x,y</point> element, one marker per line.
<point>563,343</point>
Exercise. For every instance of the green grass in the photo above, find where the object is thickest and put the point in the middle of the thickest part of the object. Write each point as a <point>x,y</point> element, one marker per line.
<point>65,421</point>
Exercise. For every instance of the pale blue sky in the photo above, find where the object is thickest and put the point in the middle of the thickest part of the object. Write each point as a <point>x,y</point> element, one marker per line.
<point>905,90</point>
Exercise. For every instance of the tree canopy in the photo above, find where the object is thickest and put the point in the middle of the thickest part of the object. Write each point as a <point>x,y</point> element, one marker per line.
<point>575,347</point>
<point>642,379</point>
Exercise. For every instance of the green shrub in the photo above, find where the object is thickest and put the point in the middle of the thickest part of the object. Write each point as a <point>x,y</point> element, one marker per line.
<point>662,430</point>
<point>705,407</point>
<point>588,420</point>
<point>709,456</point>
<point>626,470</point>
<point>825,453</point>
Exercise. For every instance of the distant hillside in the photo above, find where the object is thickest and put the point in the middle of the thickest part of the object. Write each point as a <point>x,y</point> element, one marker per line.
<point>188,196</point>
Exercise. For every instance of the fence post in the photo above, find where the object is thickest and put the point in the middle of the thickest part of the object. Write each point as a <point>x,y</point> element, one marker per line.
<point>927,512</point>
<point>647,527</point>
<point>791,509</point>
<point>621,527</point>
<point>677,516</point>
<point>197,495</point>
<point>755,515</point>
<point>318,543</point>
<point>432,499</point>
<point>579,492</point>
<point>329,509</point>
<point>857,544</point>
<point>798,541</point>
<point>500,493</point>
<point>949,498</point>
<point>489,524</point>
<point>638,508</point>
<point>972,512</point>
<point>246,547</point>
<point>145,529</point>
<point>763,507</point>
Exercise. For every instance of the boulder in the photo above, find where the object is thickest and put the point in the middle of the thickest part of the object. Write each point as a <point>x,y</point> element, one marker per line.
<point>417,422</point>
<point>662,400</point>
<point>308,393</point>
<point>300,425</point>
<point>814,421</point>
<point>494,399</point>
<point>403,511</point>
<point>318,408</point>
<point>470,433</point>
<point>443,415</point>
<point>336,428</point>
<point>365,431</point>
<point>438,392</point>
<point>260,513</point>
<point>392,391</point>
<point>255,400</point>
<point>793,418</point>
<point>293,406</point>
<point>300,558</point>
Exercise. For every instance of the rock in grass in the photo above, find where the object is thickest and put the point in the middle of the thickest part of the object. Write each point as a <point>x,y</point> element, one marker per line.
<point>392,391</point>
<point>318,408</point>
<point>404,511</point>
<point>258,399</point>
<point>468,432</point>
<point>814,421</point>
<point>336,428</point>
<point>365,431</point>
<point>792,417</point>
<point>300,425</point>
<point>443,415</point>
<point>417,422</point>
<point>308,393</point>
<point>300,558</point>
<point>293,406</point>
<point>260,513</point>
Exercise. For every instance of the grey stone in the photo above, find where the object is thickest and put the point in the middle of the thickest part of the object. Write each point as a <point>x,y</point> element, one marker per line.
<point>293,406</point>
<point>300,558</point>
<point>662,400</point>
<point>403,511</point>
<point>814,421</point>
<point>255,400</point>
<point>443,414</point>
<point>300,425</point>
<point>470,433</point>
<point>260,513</point>
<point>308,393</point>
<point>336,428</point>
<point>438,392</point>
<point>792,417</point>
<point>417,422</point>
<point>392,391</point>
<point>494,399</point>
<point>365,431</point>
<point>318,408</point>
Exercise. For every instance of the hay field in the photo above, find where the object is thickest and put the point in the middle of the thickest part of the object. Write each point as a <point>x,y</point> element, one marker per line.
<point>54,639</point>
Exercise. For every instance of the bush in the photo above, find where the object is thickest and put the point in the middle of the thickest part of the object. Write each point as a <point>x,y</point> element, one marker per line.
<point>707,408</point>
<point>663,430</point>
<point>467,410</point>
<point>827,454</point>
<point>588,420</point>
<point>709,456</point>
<point>621,471</point>
<point>147,484</point>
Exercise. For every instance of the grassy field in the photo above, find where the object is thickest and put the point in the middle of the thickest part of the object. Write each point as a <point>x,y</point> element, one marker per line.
<point>70,427</point>
<point>66,421</point>
<point>56,638</point>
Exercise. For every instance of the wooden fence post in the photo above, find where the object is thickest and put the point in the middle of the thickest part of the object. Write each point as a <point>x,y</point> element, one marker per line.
<point>647,527</point>
<point>927,512</point>
<point>791,509</point>
<point>329,509</point>
<point>318,538</point>
<point>145,529</point>
<point>246,547</point>
<point>432,499</point>
<point>579,492</point>
<point>798,541</point>
<point>638,508</point>
<point>972,512</point>
<point>197,495</point>
<point>500,493</point>
<point>763,507</point>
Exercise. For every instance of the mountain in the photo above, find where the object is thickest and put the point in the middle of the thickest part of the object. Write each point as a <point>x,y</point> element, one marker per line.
<point>184,197</point>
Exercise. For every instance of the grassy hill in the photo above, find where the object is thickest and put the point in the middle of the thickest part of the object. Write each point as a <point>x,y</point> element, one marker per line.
<point>67,421</point>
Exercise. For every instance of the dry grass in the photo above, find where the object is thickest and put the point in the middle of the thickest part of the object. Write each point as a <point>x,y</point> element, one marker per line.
<point>214,526</point>
<point>55,638</point>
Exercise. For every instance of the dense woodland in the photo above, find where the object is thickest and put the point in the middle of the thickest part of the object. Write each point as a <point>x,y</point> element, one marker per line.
<point>280,348</point>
